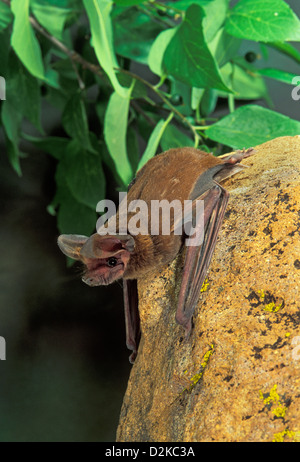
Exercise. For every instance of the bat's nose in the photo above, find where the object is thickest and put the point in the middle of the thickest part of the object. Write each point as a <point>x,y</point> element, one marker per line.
<point>91,281</point>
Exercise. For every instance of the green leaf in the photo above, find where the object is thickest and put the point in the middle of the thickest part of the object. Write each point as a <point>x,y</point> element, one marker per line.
<point>51,17</point>
<point>133,148</point>
<point>24,41</point>
<point>287,49</point>
<point>208,102</point>
<point>174,138</point>
<point>73,216</point>
<point>187,57</point>
<point>23,91</point>
<point>224,47</point>
<point>11,120</point>
<point>75,121</point>
<point>115,128</point>
<point>84,175</point>
<point>52,78</point>
<point>265,21</point>
<point>102,39</point>
<point>277,74</point>
<point>215,14</point>
<point>139,89</point>
<point>251,125</point>
<point>134,32</point>
<point>6,16</point>
<point>80,185</point>
<point>13,155</point>
<point>54,145</point>
<point>158,49</point>
<point>4,52</point>
<point>183,94</point>
<point>196,96</point>
<point>128,2</point>
<point>246,85</point>
<point>154,141</point>
<point>65,4</point>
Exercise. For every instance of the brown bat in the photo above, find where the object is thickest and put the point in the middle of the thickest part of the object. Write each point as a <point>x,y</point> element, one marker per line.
<point>178,174</point>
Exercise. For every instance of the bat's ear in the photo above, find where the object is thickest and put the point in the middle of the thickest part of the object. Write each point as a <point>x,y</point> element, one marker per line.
<point>106,246</point>
<point>71,245</point>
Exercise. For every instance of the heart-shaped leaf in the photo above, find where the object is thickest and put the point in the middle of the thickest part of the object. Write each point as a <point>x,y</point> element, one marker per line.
<point>251,125</point>
<point>266,21</point>
<point>188,58</point>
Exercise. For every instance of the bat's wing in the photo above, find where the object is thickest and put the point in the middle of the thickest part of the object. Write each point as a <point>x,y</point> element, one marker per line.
<point>132,318</point>
<point>197,258</point>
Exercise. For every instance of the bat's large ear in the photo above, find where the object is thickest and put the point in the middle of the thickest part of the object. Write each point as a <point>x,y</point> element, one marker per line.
<point>71,245</point>
<point>106,246</point>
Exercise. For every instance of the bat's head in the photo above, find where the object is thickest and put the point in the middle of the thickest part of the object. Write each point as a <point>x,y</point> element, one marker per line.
<point>105,257</point>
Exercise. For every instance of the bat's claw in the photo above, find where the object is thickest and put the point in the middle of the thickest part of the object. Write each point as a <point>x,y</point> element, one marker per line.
<point>132,357</point>
<point>246,152</point>
<point>239,155</point>
<point>188,328</point>
<point>185,322</point>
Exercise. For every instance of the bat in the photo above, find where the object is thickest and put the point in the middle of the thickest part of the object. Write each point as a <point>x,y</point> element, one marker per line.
<point>186,175</point>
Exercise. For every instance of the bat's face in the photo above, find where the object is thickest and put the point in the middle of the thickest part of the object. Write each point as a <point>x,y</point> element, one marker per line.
<point>105,257</point>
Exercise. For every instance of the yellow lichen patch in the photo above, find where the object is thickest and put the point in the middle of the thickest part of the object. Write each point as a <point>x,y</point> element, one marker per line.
<point>205,286</point>
<point>207,356</point>
<point>280,437</point>
<point>267,300</point>
<point>195,379</point>
<point>272,308</point>
<point>279,411</point>
<point>261,293</point>
<point>274,398</point>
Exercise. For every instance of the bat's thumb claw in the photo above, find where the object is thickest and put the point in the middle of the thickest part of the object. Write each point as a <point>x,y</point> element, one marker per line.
<point>188,329</point>
<point>132,357</point>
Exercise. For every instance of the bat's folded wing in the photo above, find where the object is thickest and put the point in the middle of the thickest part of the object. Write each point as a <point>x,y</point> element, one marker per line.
<point>132,318</point>
<point>198,256</point>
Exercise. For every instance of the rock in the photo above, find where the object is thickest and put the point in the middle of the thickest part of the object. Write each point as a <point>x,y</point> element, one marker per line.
<point>237,377</point>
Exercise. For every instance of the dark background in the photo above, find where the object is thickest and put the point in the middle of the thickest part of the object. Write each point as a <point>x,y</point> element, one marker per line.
<point>67,364</point>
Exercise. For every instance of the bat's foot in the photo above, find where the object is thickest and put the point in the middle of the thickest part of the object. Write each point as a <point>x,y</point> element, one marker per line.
<point>132,357</point>
<point>239,155</point>
<point>185,322</point>
<point>245,152</point>
<point>188,329</point>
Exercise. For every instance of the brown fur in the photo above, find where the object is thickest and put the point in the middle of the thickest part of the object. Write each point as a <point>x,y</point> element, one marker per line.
<point>171,175</point>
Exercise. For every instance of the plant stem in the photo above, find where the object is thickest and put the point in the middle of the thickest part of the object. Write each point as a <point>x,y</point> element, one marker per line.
<point>201,127</point>
<point>231,103</point>
<point>161,96</point>
<point>164,7</point>
<point>144,9</point>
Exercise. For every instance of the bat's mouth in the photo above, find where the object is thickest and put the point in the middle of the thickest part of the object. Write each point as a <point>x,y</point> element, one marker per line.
<point>97,272</point>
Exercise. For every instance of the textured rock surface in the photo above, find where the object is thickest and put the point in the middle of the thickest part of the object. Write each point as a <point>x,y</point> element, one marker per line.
<point>237,378</point>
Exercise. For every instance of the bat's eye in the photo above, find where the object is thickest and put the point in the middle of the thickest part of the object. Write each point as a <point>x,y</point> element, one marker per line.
<point>112,261</point>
